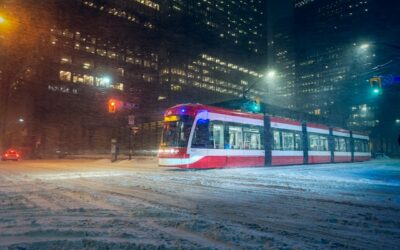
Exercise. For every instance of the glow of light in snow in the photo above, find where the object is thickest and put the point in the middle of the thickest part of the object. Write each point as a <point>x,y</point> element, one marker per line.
<point>364,46</point>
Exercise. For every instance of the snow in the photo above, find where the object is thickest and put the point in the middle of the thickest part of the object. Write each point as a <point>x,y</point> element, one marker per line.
<point>95,204</point>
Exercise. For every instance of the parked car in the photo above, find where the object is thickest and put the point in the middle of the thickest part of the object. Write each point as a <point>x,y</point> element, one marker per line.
<point>11,154</point>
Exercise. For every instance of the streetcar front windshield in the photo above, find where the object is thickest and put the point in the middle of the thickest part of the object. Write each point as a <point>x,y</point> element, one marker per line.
<point>176,131</point>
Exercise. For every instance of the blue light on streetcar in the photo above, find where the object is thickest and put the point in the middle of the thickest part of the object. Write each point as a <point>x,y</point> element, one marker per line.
<point>202,121</point>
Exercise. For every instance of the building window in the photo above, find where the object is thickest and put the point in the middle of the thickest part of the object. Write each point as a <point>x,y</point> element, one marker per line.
<point>119,86</point>
<point>78,78</point>
<point>89,80</point>
<point>65,75</point>
<point>66,60</point>
<point>175,87</point>
<point>101,52</point>
<point>103,81</point>
<point>87,65</point>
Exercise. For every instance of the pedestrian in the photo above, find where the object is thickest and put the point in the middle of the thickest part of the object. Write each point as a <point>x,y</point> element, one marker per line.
<point>113,152</point>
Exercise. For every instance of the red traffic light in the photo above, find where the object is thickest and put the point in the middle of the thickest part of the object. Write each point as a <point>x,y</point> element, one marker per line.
<point>112,106</point>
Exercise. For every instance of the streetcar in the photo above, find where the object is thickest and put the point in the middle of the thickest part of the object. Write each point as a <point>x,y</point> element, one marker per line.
<point>202,137</point>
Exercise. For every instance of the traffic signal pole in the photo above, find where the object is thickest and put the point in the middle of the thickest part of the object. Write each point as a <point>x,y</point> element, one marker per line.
<point>130,143</point>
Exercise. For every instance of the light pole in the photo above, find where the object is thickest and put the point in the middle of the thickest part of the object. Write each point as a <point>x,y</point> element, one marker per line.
<point>3,85</point>
<point>266,78</point>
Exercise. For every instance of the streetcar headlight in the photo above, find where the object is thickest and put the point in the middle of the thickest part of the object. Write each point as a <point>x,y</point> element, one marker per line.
<point>168,151</point>
<point>173,151</point>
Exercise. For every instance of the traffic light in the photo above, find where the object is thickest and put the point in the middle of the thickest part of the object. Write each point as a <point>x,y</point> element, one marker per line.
<point>255,107</point>
<point>112,106</point>
<point>252,106</point>
<point>376,85</point>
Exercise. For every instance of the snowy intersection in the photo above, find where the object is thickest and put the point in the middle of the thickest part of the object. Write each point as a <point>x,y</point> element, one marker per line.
<point>93,204</point>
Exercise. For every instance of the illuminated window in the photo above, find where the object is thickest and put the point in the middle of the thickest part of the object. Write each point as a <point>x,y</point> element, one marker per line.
<point>53,40</point>
<point>101,52</point>
<point>119,86</point>
<point>342,144</point>
<point>87,65</point>
<point>111,54</point>
<point>146,63</point>
<point>90,49</point>
<point>318,142</point>
<point>235,137</point>
<point>103,81</point>
<point>89,80</point>
<point>77,78</point>
<point>175,87</point>
<point>65,60</point>
<point>65,75</point>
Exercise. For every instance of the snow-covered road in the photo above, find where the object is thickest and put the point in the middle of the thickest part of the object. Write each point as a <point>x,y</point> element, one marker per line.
<point>74,204</point>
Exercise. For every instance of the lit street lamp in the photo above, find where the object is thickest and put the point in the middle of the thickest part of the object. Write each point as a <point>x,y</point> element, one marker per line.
<point>271,74</point>
<point>2,20</point>
<point>365,46</point>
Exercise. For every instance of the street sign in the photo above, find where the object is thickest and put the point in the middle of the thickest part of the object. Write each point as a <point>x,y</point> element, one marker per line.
<point>131,120</point>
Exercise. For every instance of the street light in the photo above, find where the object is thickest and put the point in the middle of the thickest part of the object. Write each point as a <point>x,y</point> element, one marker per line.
<point>2,20</point>
<point>271,74</point>
<point>106,80</point>
<point>364,46</point>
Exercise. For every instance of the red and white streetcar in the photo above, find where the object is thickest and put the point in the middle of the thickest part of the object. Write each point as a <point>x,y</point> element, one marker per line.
<point>199,136</point>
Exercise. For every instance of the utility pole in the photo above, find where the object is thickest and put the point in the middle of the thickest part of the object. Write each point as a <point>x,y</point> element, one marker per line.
<point>131,123</point>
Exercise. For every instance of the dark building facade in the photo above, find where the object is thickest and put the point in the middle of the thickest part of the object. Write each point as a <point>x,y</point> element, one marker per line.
<point>340,46</point>
<point>281,56</point>
<point>137,52</point>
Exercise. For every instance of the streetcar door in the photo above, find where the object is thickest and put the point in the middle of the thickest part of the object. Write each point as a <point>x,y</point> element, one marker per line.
<point>200,142</point>
<point>217,152</point>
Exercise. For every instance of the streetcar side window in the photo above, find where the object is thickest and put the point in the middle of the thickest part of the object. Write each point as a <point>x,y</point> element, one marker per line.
<point>277,140</point>
<point>201,136</point>
<point>252,138</point>
<point>318,142</point>
<point>217,135</point>
<point>286,140</point>
<point>342,144</point>
<point>298,144</point>
<point>235,137</point>
<point>361,145</point>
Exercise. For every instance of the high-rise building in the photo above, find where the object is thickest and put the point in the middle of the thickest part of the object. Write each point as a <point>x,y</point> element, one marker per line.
<point>149,54</point>
<point>332,66</point>
<point>281,57</point>
<point>340,45</point>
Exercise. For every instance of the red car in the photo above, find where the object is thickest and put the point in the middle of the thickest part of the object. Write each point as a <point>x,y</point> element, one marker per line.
<point>10,154</point>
